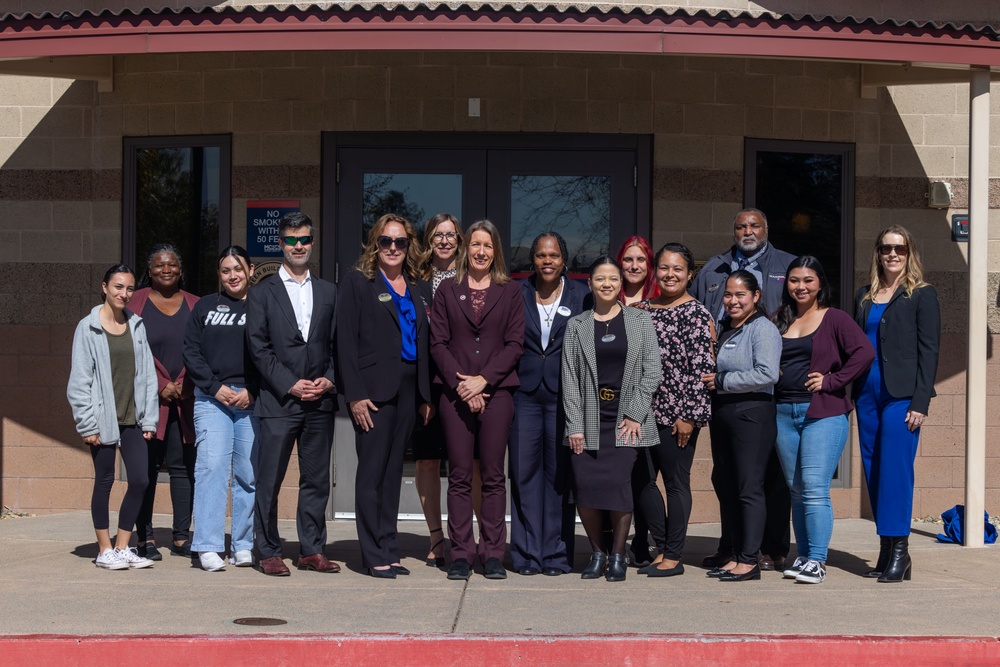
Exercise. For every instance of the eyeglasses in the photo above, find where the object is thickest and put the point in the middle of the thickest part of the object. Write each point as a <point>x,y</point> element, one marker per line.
<point>887,248</point>
<point>443,236</point>
<point>401,243</point>
<point>292,240</point>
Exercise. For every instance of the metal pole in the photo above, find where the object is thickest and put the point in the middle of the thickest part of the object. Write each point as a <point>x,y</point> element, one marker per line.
<point>975,385</point>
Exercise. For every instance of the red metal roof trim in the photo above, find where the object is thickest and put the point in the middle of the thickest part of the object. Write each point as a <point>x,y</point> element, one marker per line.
<point>508,29</point>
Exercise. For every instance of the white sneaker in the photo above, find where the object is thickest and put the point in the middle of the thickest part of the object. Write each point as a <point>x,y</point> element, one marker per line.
<point>793,571</point>
<point>132,559</point>
<point>242,558</point>
<point>210,561</point>
<point>813,573</point>
<point>109,560</point>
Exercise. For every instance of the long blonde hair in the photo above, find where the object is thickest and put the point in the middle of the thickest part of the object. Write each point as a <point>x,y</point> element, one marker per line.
<point>913,273</point>
<point>498,269</point>
<point>368,261</point>
<point>427,256</point>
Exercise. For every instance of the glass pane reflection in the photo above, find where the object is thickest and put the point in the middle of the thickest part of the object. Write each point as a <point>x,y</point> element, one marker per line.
<point>416,197</point>
<point>578,207</point>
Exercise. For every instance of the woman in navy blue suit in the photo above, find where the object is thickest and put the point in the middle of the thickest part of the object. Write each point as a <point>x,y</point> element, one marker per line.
<point>542,522</point>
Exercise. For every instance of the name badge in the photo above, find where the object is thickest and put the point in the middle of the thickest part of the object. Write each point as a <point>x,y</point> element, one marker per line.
<point>563,310</point>
<point>383,297</point>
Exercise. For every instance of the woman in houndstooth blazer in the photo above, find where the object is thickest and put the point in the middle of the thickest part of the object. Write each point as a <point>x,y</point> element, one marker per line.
<point>610,370</point>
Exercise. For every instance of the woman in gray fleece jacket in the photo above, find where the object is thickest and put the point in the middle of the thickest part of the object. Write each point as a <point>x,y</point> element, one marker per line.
<point>112,393</point>
<point>743,420</point>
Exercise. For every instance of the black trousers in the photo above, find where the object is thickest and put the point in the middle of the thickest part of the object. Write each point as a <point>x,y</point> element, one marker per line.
<point>179,460</point>
<point>667,525</point>
<point>743,434</point>
<point>380,472</point>
<point>313,431</point>
<point>134,455</point>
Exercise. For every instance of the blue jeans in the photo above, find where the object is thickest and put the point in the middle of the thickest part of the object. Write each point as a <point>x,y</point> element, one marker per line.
<point>809,450</point>
<point>224,438</point>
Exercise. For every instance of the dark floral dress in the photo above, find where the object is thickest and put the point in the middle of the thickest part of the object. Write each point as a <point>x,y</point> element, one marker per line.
<point>685,337</point>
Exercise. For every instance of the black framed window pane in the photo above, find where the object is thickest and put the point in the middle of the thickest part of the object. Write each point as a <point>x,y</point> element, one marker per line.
<point>577,207</point>
<point>416,197</point>
<point>178,197</point>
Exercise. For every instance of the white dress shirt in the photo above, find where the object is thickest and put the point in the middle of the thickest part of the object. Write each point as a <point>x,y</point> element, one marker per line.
<point>301,296</point>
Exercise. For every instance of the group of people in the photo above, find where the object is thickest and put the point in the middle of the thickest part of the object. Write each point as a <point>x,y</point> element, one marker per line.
<point>589,396</point>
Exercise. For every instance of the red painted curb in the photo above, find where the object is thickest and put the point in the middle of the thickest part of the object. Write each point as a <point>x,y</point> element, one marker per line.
<point>465,650</point>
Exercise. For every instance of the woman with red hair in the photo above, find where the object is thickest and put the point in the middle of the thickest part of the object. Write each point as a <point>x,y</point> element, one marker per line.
<point>636,259</point>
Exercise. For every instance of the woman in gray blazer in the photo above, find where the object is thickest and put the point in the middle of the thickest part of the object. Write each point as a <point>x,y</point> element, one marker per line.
<point>112,393</point>
<point>610,369</point>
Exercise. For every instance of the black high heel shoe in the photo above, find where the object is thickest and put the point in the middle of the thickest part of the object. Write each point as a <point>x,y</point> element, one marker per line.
<point>617,568</point>
<point>436,561</point>
<point>900,565</point>
<point>885,546</point>
<point>753,574</point>
<point>594,569</point>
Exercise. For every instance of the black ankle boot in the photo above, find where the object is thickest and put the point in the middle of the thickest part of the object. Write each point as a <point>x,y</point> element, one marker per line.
<point>898,568</point>
<point>594,569</point>
<point>883,558</point>
<point>617,565</point>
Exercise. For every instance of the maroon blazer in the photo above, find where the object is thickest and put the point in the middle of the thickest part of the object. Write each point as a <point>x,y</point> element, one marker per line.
<point>491,347</point>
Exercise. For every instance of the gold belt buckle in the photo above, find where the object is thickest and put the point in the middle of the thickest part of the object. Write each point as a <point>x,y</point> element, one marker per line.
<point>607,394</point>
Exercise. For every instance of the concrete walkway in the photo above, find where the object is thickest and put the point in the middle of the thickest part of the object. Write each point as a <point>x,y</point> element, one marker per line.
<point>50,586</point>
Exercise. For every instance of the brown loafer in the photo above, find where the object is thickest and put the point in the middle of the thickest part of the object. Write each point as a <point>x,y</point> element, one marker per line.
<point>766,562</point>
<point>273,566</point>
<point>318,563</point>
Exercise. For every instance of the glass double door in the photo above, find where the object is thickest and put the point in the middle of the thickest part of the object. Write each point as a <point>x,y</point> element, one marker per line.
<point>583,187</point>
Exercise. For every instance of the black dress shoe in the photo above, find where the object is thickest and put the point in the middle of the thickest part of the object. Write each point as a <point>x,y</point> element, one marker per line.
<point>640,554</point>
<point>552,571</point>
<point>400,570</point>
<point>746,576</point>
<point>666,572</point>
<point>617,567</point>
<point>460,569</point>
<point>718,559</point>
<point>387,573</point>
<point>717,572</point>
<point>645,568</point>
<point>494,569</point>
<point>595,568</point>
<point>529,571</point>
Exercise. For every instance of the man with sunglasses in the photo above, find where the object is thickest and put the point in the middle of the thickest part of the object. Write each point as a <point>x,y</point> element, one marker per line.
<point>290,327</point>
<point>751,251</point>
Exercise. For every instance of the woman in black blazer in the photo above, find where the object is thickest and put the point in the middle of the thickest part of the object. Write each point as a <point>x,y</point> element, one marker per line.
<point>900,314</point>
<point>477,334</point>
<point>383,356</point>
<point>541,521</point>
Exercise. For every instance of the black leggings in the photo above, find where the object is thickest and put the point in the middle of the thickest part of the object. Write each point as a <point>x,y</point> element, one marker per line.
<point>669,532</point>
<point>134,454</point>
<point>179,459</point>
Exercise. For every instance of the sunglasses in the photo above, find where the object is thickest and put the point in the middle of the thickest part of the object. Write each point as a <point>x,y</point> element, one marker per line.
<point>292,240</point>
<point>887,248</point>
<point>386,242</point>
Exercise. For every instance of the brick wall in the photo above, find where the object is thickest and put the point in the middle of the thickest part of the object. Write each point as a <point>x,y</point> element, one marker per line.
<point>60,179</point>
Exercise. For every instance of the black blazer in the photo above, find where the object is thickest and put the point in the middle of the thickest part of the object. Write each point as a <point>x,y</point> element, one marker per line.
<point>909,338</point>
<point>279,352</point>
<point>491,347</point>
<point>369,340</point>
<point>538,365</point>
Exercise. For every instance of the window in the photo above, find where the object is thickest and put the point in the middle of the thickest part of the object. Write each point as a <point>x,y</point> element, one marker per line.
<point>177,190</point>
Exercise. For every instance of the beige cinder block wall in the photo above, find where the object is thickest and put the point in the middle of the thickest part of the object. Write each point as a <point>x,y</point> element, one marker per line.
<point>276,105</point>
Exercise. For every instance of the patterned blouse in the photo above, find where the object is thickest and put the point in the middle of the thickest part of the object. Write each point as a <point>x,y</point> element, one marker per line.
<point>685,337</point>
<point>438,277</point>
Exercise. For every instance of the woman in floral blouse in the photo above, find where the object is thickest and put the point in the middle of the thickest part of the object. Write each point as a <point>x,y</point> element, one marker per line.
<point>682,405</point>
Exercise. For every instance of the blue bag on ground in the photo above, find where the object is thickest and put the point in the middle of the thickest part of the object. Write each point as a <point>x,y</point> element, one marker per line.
<point>953,520</point>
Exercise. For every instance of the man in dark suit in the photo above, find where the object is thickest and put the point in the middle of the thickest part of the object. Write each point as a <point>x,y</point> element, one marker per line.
<point>751,251</point>
<point>290,326</point>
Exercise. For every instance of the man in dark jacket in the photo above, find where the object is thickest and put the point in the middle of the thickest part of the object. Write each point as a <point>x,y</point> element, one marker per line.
<point>752,252</point>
